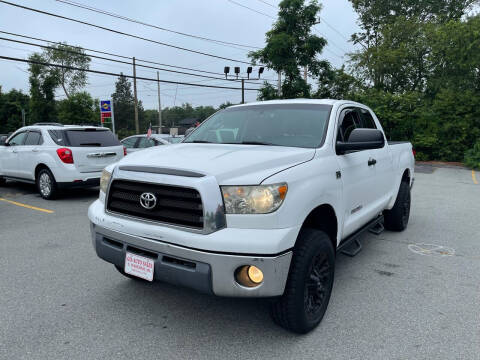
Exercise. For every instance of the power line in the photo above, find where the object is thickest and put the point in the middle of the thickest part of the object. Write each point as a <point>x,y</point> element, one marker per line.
<point>249,8</point>
<point>97,10</point>
<point>118,61</point>
<point>116,74</point>
<point>123,33</point>
<point>111,54</point>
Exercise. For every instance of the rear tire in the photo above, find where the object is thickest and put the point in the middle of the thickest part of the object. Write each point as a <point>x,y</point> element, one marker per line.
<point>396,219</point>
<point>46,184</point>
<point>2,181</point>
<point>309,285</point>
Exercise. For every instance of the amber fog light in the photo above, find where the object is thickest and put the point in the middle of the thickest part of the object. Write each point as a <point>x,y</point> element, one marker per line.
<point>249,276</point>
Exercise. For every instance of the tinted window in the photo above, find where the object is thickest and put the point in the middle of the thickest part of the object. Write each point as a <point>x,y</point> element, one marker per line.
<point>367,119</point>
<point>130,142</point>
<point>350,121</point>
<point>17,139</point>
<point>33,138</point>
<point>145,143</point>
<point>58,136</point>
<point>297,125</point>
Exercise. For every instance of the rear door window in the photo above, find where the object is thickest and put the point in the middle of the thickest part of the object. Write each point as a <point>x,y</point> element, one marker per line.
<point>367,119</point>
<point>349,122</point>
<point>33,138</point>
<point>130,142</point>
<point>145,143</point>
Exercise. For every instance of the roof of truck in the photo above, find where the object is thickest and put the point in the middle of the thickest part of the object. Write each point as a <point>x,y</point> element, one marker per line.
<point>299,101</point>
<point>61,127</point>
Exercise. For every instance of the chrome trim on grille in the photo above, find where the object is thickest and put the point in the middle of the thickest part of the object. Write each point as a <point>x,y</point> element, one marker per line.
<point>161,170</point>
<point>207,186</point>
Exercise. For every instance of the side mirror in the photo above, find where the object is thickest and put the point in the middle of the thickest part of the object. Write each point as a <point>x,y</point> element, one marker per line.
<point>361,139</point>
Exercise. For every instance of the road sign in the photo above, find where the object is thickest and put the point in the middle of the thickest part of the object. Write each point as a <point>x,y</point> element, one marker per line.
<point>106,113</point>
<point>105,105</point>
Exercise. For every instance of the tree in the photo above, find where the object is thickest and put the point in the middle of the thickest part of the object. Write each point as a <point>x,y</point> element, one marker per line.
<point>291,46</point>
<point>336,84</point>
<point>70,80</point>
<point>123,104</point>
<point>11,105</point>
<point>42,90</point>
<point>79,108</point>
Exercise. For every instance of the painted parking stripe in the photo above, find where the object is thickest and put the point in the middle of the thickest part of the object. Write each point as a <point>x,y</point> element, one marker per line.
<point>27,206</point>
<point>474,178</point>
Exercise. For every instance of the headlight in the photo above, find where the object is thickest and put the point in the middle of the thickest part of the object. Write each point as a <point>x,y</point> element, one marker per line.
<point>104,180</point>
<point>261,199</point>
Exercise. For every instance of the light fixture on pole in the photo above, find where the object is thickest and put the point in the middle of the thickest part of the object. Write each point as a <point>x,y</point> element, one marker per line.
<point>260,71</point>
<point>237,70</point>
<point>249,71</point>
<point>226,70</point>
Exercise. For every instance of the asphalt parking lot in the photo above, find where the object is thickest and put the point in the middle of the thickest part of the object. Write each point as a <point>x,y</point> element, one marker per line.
<point>398,299</point>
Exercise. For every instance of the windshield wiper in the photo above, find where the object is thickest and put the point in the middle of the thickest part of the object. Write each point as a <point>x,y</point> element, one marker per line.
<point>200,142</point>
<point>253,143</point>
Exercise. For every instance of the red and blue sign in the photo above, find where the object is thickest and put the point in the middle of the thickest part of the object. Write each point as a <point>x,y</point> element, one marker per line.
<point>106,110</point>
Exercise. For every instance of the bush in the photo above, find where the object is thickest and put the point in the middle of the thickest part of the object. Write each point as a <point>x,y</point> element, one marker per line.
<point>472,156</point>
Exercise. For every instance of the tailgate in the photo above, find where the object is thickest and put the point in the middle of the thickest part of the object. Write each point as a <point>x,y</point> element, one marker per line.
<point>93,148</point>
<point>94,159</point>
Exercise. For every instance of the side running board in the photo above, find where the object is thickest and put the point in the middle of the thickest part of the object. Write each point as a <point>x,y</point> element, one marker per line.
<point>351,245</point>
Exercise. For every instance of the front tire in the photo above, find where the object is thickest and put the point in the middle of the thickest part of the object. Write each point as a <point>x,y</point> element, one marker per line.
<point>2,181</point>
<point>309,285</point>
<point>46,184</point>
<point>396,219</point>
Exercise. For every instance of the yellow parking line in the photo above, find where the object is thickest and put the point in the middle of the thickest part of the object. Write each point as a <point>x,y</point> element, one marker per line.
<point>27,206</point>
<point>474,178</point>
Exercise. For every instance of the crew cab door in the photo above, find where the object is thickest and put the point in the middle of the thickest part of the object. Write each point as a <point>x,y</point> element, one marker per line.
<point>11,165</point>
<point>383,164</point>
<point>356,175</point>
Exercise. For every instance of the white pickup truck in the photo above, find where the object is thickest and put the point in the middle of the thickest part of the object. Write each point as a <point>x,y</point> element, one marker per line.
<point>256,202</point>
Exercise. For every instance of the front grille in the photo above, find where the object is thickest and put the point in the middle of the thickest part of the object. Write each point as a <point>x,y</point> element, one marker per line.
<point>175,205</point>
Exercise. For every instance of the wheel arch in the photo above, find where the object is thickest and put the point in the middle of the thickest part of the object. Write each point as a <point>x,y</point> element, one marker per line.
<point>324,218</point>
<point>39,167</point>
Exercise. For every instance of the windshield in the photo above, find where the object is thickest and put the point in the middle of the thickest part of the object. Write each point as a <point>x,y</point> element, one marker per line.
<point>297,125</point>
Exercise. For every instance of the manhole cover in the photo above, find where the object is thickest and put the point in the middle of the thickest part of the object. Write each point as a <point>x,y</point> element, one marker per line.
<point>431,250</point>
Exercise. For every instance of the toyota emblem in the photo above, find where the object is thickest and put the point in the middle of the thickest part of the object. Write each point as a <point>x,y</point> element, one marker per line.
<point>148,200</point>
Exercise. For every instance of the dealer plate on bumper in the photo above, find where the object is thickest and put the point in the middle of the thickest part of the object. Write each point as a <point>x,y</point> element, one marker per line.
<point>139,266</point>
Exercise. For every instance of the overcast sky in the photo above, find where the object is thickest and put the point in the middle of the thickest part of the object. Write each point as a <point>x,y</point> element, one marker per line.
<point>216,19</point>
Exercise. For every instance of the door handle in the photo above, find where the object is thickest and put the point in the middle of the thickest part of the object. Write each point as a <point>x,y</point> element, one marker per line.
<point>371,162</point>
<point>35,150</point>
<point>14,151</point>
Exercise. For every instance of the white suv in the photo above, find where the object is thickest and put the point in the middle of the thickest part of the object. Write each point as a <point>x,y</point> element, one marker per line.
<point>54,156</point>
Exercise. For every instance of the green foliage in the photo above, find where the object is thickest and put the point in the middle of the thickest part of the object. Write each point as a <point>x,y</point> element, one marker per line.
<point>472,156</point>
<point>290,46</point>
<point>11,104</point>
<point>42,91</point>
<point>70,56</point>
<point>79,109</point>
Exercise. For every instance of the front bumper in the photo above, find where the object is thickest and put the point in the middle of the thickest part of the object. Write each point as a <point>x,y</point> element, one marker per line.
<point>205,271</point>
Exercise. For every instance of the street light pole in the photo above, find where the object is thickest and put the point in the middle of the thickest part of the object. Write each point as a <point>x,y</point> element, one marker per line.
<point>243,91</point>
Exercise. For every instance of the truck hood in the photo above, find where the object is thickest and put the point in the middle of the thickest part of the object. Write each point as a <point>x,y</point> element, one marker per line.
<point>230,164</point>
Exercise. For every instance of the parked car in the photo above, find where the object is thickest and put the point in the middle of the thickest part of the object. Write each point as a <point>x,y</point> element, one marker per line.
<point>140,142</point>
<point>172,139</point>
<point>3,138</point>
<point>256,203</point>
<point>54,156</point>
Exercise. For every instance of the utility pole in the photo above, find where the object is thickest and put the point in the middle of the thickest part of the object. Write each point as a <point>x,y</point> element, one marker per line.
<point>159,105</point>
<point>243,91</point>
<point>137,125</point>
<point>279,90</point>
<point>23,116</point>
<point>305,74</point>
